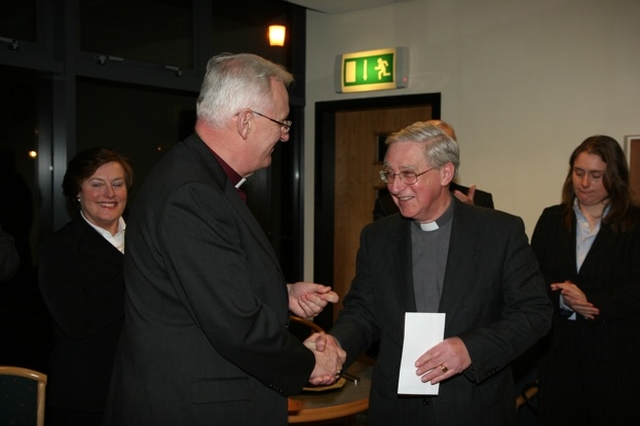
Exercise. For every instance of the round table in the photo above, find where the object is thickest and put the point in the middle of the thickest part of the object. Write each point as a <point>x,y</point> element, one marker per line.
<point>351,399</point>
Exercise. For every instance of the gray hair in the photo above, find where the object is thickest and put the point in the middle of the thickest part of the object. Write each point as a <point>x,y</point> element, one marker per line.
<point>234,82</point>
<point>439,148</point>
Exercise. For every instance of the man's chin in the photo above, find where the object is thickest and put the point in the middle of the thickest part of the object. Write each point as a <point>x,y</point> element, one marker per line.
<point>406,212</point>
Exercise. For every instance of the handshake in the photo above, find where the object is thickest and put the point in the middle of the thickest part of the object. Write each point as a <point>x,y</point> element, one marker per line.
<point>329,359</point>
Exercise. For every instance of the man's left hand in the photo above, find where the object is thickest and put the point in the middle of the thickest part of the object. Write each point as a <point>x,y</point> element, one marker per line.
<point>442,361</point>
<point>307,299</point>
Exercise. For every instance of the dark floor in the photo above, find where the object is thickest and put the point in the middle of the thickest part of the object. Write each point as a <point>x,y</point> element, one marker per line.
<point>526,417</point>
<point>360,419</point>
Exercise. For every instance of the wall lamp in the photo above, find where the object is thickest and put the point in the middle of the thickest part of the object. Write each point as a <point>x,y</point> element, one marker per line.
<point>277,34</point>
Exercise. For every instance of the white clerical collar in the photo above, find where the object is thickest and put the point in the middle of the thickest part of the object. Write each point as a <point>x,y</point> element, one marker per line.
<point>239,184</point>
<point>431,226</point>
<point>441,221</point>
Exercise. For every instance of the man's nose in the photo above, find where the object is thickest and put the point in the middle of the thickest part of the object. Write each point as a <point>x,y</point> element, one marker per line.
<point>396,185</point>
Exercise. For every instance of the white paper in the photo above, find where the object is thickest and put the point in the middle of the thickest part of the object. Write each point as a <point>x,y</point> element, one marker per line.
<point>422,331</point>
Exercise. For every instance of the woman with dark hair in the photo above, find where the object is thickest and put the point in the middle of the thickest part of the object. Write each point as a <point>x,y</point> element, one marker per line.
<point>81,281</point>
<point>588,248</point>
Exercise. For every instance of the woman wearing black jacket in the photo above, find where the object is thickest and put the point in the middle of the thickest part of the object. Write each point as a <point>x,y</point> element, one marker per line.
<point>82,284</point>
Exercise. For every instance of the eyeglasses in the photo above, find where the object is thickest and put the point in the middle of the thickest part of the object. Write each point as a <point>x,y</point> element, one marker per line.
<point>285,125</point>
<point>406,176</point>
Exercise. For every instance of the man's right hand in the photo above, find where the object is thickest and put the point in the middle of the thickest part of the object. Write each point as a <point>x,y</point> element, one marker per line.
<point>329,359</point>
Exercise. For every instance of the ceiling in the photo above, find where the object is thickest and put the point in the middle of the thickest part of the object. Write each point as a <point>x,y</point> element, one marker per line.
<point>340,6</point>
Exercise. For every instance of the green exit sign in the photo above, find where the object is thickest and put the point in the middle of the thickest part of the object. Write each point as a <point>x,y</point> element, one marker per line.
<point>372,70</point>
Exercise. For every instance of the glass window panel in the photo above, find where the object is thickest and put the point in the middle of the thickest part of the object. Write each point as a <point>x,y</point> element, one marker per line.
<point>159,31</point>
<point>234,30</point>
<point>18,19</point>
<point>23,325</point>
<point>18,138</point>
<point>138,122</point>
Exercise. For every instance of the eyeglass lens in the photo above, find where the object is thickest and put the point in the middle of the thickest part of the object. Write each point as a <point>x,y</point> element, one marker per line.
<point>405,176</point>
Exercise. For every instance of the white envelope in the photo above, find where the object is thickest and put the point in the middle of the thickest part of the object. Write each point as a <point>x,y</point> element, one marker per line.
<point>422,331</point>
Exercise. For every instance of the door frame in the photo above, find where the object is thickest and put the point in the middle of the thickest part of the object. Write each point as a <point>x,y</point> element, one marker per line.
<point>325,113</point>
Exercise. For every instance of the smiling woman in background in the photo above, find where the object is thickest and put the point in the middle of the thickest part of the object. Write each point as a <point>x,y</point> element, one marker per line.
<point>588,248</point>
<point>82,284</point>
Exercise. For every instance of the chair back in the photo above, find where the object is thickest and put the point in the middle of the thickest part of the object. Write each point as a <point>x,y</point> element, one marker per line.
<point>22,396</point>
<point>303,328</point>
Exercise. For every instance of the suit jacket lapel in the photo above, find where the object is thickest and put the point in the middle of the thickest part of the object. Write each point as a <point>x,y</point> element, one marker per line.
<point>597,252</point>
<point>252,224</point>
<point>401,263</point>
<point>209,162</point>
<point>94,244</point>
<point>462,248</point>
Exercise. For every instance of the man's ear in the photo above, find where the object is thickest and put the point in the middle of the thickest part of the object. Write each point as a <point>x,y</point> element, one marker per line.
<point>243,123</point>
<point>448,172</point>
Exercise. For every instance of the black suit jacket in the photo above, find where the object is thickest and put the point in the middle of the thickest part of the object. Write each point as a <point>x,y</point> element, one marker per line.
<point>81,280</point>
<point>385,206</point>
<point>205,338</point>
<point>494,299</point>
<point>610,278</point>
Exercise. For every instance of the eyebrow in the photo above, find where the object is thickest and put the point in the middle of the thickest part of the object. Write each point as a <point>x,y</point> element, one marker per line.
<point>403,166</point>
<point>589,170</point>
<point>105,180</point>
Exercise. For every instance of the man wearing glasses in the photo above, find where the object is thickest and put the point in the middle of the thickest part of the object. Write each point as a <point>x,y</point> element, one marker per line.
<point>205,338</point>
<point>384,205</point>
<point>441,255</point>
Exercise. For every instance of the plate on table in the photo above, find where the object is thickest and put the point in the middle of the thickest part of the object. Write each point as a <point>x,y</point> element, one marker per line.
<point>317,389</point>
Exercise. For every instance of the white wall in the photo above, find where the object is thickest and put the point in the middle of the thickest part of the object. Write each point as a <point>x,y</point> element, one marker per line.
<point>523,83</point>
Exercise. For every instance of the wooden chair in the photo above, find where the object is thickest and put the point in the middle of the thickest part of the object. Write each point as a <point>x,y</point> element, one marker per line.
<point>303,328</point>
<point>527,395</point>
<point>22,395</point>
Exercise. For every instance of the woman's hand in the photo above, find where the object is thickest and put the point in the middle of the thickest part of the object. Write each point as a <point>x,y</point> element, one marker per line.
<point>575,298</point>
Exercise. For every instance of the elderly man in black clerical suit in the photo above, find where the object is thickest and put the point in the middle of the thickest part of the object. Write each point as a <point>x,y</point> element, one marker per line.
<point>205,338</point>
<point>441,255</point>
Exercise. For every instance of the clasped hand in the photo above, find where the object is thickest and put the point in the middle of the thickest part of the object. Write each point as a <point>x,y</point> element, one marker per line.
<point>330,358</point>
<point>575,298</point>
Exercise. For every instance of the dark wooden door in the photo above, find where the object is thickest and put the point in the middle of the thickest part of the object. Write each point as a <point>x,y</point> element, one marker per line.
<point>349,157</point>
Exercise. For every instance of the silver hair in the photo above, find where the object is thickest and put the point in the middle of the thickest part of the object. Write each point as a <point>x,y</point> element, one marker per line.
<point>234,82</point>
<point>439,148</point>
